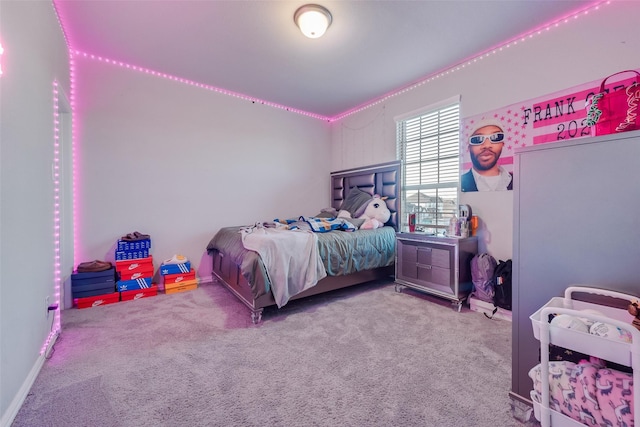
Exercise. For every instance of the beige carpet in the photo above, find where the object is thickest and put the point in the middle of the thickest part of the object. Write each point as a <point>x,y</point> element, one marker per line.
<point>365,356</point>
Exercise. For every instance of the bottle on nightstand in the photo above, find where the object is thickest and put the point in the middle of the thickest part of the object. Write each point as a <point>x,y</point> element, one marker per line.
<point>453,226</point>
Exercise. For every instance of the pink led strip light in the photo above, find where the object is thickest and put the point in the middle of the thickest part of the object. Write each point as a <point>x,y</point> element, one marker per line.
<point>55,327</point>
<point>200,85</point>
<point>462,64</point>
<point>74,148</point>
<point>1,52</point>
<point>471,60</point>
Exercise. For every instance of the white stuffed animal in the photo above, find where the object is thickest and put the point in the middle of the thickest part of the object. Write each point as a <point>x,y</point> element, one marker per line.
<point>376,213</point>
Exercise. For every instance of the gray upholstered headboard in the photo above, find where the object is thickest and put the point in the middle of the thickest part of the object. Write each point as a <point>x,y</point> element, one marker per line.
<point>382,179</point>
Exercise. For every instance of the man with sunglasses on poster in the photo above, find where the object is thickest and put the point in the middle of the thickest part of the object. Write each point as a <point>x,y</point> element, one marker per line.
<point>485,147</point>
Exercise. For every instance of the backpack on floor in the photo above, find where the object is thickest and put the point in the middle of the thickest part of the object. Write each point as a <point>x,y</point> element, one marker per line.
<point>502,285</point>
<point>482,275</point>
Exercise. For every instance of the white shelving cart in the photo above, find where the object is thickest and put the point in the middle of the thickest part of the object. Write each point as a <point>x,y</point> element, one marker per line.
<point>620,352</point>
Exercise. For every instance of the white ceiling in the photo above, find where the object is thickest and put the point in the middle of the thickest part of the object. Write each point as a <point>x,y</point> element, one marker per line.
<point>254,48</point>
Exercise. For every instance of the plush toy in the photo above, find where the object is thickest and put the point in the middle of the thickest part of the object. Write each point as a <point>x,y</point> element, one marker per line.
<point>634,310</point>
<point>376,214</point>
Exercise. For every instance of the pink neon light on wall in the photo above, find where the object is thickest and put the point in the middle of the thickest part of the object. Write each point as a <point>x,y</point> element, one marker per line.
<point>475,58</point>
<point>74,125</point>
<point>74,162</point>
<point>57,276</point>
<point>55,327</point>
<point>462,64</point>
<point>200,85</point>
<point>1,52</point>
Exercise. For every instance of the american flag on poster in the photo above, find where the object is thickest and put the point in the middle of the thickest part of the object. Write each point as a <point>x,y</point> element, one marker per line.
<point>552,118</point>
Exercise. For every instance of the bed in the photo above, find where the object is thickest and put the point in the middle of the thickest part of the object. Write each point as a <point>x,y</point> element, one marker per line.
<point>348,257</point>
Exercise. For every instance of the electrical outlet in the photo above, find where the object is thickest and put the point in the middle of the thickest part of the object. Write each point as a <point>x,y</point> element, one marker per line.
<point>46,306</point>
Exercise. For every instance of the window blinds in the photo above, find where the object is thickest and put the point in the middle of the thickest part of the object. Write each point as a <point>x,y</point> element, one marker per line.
<point>428,147</point>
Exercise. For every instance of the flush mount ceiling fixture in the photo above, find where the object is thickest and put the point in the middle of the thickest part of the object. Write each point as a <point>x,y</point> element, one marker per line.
<point>313,20</point>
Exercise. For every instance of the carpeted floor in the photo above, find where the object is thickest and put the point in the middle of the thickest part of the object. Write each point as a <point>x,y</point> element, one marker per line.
<point>364,356</point>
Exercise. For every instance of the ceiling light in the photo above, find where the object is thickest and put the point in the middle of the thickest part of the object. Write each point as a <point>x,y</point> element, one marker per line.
<point>313,20</point>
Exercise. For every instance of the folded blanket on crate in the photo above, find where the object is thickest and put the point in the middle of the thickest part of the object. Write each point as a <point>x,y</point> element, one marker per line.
<point>587,392</point>
<point>291,259</point>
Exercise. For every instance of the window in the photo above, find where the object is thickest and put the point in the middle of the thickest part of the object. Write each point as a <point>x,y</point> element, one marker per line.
<point>428,147</point>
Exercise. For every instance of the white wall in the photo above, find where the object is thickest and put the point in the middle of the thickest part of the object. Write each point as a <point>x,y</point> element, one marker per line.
<point>583,50</point>
<point>179,162</point>
<point>35,54</point>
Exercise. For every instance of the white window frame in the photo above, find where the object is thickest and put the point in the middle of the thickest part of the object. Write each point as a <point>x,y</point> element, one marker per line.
<point>437,164</point>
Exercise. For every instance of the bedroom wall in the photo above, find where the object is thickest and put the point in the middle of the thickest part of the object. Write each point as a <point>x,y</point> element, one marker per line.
<point>35,54</point>
<point>179,162</point>
<point>583,50</point>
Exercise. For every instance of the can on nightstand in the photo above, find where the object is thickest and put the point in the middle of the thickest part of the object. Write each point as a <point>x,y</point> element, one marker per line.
<point>412,222</point>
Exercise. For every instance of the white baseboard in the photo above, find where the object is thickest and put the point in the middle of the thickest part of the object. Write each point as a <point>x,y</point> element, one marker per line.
<point>18,400</point>
<point>206,281</point>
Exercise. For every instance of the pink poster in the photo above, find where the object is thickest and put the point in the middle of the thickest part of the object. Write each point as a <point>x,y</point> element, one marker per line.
<point>488,140</point>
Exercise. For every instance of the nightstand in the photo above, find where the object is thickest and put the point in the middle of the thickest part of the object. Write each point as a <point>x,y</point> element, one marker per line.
<point>435,265</point>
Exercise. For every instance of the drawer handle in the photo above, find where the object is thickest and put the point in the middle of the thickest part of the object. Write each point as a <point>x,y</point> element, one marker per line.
<point>428,267</point>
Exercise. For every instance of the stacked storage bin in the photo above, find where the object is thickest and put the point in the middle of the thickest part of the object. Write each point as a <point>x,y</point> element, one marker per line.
<point>90,289</point>
<point>178,276</point>
<point>134,264</point>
